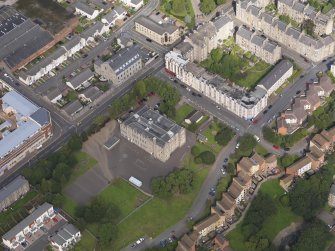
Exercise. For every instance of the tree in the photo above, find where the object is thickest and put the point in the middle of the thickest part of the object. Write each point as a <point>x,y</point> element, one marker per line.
<point>107,232</point>
<point>75,143</point>
<point>231,169</point>
<point>188,19</point>
<point>167,6</point>
<point>224,135</point>
<point>216,55</point>
<point>287,160</point>
<point>247,144</point>
<point>195,150</point>
<point>308,26</point>
<point>207,157</point>
<point>207,6</point>
<point>313,236</point>
<point>219,2</point>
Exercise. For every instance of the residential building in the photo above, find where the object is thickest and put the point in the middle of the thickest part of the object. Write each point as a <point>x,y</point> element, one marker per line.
<point>300,12</point>
<point>162,32</point>
<point>118,13</point>
<point>331,197</point>
<point>320,141</point>
<point>194,117</point>
<point>188,242</point>
<point>314,49</point>
<point>24,128</point>
<point>65,238</point>
<point>81,80</point>
<point>86,10</point>
<point>239,187</point>
<point>41,215</point>
<point>271,162</point>
<point>122,66</point>
<point>248,166</point>
<point>90,94</point>
<point>208,225</point>
<point>46,65</point>
<point>317,157</point>
<point>332,69</point>
<point>259,45</point>
<point>286,182</point>
<point>13,191</point>
<point>73,108</point>
<point>135,4</point>
<point>300,167</point>
<point>54,95</point>
<point>245,104</point>
<point>220,241</point>
<point>97,29</point>
<point>198,45</point>
<point>227,205</point>
<point>277,76</point>
<point>154,133</point>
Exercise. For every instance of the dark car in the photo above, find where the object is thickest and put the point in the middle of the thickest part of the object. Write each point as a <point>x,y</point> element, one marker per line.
<point>194,94</point>
<point>286,149</point>
<point>225,160</point>
<point>85,56</point>
<point>17,84</point>
<point>270,106</point>
<point>199,95</point>
<point>265,111</point>
<point>297,92</point>
<point>149,40</point>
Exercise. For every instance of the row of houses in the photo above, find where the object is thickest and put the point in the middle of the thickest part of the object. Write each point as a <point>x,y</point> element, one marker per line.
<point>243,103</point>
<point>259,45</point>
<point>319,145</point>
<point>315,49</point>
<point>300,12</point>
<point>62,53</point>
<point>249,171</point>
<point>293,118</point>
<point>92,11</point>
<point>31,228</point>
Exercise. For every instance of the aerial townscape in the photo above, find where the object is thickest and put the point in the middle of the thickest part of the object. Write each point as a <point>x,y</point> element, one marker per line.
<point>173,125</point>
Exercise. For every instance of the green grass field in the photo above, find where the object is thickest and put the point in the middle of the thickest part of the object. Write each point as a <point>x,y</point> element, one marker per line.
<point>261,150</point>
<point>157,215</point>
<point>253,75</point>
<point>84,163</point>
<point>182,112</point>
<point>179,9</point>
<point>273,225</point>
<point>210,135</point>
<point>87,242</point>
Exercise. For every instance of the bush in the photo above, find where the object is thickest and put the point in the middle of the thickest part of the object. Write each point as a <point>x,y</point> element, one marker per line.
<point>207,157</point>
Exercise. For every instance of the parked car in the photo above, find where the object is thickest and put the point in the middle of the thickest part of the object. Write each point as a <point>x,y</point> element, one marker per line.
<point>275,147</point>
<point>140,240</point>
<point>225,160</point>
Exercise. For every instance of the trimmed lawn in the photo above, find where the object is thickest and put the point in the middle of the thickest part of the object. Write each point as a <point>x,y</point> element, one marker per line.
<point>261,150</point>
<point>85,162</point>
<point>181,12</point>
<point>273,225</point>
<point>87,242</point>
<point>253,75</point>
<point>118,191</point>
<point>157,215</point>
<point>210,135</point>
<point>182,112</point>
<point>69,206</point>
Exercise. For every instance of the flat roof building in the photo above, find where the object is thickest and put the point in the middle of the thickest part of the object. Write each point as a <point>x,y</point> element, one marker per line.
<point>25,128</point>
<point>153,132</point>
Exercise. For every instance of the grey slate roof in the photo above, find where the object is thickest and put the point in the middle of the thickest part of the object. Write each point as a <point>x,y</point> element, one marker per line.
<point>27,221</point>
<point>155,27</point>
<point>73,107</point>
<point>244,32</point>
<point>153,125</point>
<point>81,78</point>
<point>12,187</point>
<point>84,7</point>
<point>41,116</point>
<point>92,93</point>
<point>72,42</point>
<point>125,58</point>
<point>91,31</point>
<point>276,73</point>
<point>221,21</point>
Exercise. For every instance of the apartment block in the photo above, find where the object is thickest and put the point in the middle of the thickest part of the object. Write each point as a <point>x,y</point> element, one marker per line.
<point>160,31</point>
<point>25,128</point>
<point>198,45</point>
<point>153,132</point>
<point>300,12</point>
<point>259,45</point>
<point>13,191</point>
<point>65,238</point>
<point>122,66</point>
<point>245,104</point>
<point>315,49</point>
<point>41,215</point>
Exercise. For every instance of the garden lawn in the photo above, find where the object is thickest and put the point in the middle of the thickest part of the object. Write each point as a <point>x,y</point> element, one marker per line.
<point>274,224</point>
<point>253,75</point>
<point>157,215</point>
<point>182,112</point>
<point>210,135</point>
<point>87,242</point>
<point>84,163</point>
<point>182,8</point>
<point>261,150</point>
<point>69,206</point>
<point>15,212</point>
